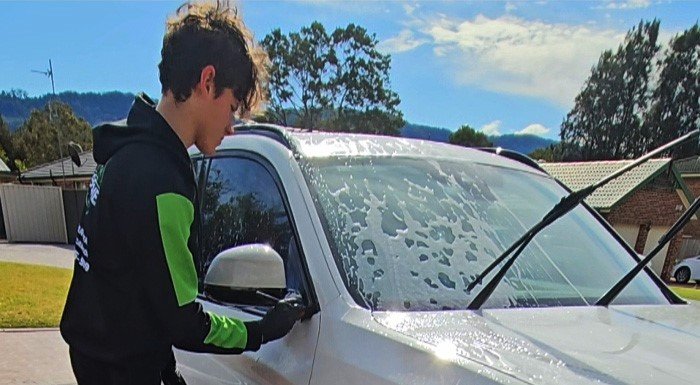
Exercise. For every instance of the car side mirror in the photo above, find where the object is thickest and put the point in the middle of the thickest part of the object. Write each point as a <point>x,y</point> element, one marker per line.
<point>245,274</point>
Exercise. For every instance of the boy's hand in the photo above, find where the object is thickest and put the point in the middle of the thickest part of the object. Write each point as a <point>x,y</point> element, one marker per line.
<point>279,320</point>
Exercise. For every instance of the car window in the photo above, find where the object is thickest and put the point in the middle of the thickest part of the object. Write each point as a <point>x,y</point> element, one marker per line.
<point>198,167</point>
<point>241,204</point>
<point>411,234</point>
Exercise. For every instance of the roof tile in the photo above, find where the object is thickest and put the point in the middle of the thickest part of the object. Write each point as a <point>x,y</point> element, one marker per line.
<point>576,175</point>
<point>55,170</point>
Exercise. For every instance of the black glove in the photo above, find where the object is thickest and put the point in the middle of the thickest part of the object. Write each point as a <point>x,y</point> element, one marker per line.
<point>279,320</point>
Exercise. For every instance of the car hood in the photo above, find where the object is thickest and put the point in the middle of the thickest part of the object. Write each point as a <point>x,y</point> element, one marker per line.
<point>572,345</point>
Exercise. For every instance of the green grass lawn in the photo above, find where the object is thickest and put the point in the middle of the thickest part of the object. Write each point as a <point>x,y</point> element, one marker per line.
<point>31,295</point>
<point>687,292</point>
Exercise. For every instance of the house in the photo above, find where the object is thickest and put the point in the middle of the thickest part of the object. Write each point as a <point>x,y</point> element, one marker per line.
<point>63,173</point>
<point>57,190</point>
<point>6,175</point>
<point>641,204</point>
<point>689,168</point>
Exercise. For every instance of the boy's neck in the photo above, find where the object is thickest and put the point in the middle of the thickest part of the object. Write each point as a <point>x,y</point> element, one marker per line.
<point>179,117</point>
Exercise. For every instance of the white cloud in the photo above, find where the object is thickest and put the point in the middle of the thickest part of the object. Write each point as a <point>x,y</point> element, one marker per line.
<point>491,129</point>
<point>516,56</point>
<point>628,4</point>
<point>533,129</point>
<point>511,6</point>
<point>350,7</point>
<point>408,8</point>
<point>440,51</point>
<point>405,41</point>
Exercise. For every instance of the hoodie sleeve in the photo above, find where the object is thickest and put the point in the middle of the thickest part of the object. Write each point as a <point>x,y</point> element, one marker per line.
<point>160,230</point>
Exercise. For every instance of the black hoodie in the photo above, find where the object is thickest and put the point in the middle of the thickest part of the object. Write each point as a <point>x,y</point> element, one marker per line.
<point>134,284</point>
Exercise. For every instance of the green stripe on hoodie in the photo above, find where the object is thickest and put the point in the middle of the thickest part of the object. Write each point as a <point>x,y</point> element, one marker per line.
<point>226,332</point>
<point>175,216</point>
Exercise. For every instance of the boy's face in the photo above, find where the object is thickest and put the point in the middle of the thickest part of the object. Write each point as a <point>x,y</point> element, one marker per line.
<point>216,118</point>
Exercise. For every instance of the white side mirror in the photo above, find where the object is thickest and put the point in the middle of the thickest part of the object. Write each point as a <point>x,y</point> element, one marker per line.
<point>247,267</point>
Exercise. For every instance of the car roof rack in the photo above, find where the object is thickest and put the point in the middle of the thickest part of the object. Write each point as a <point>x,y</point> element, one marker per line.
<point>513,155</point>
<point>275,132</point>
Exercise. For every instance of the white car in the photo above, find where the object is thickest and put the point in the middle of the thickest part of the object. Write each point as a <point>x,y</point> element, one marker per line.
<point>687,269</point>
<point>381,237</point>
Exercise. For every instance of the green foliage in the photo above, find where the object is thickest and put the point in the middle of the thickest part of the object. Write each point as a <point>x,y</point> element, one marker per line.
<point>19,165</point>
<point>241,217</point>
<point>676,107</point>
<point>5,143</point>
<point>417,131</point>
<point>523,143</point>
<point>606,121</point>
<point>469,137</point>
<point>551,153</point>
<point>520,143</point>
<point>336,81</point>
<point>37,140</point>
<point>3,156</point>
<point>617,115</point>
<point>371,121</point>
<point>16,105</point>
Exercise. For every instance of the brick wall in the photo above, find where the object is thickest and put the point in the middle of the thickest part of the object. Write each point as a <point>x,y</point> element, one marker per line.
<point>674,247</point>
<point>655,205</point>
<point>694,184</point>
<point>642,238</point>
<point>693,228</point>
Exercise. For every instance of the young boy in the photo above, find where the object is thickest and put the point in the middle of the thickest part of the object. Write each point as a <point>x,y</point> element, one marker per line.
<point>132,297</point>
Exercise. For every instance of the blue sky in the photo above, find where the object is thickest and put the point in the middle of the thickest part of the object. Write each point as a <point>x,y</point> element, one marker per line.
<point>499,66</point>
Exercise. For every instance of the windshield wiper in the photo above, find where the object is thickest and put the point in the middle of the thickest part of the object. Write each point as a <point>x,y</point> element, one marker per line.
<point>565,205</point>
<point>622,283</point>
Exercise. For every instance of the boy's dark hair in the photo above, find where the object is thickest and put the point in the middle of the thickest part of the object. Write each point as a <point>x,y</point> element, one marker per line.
<point>212,33</point>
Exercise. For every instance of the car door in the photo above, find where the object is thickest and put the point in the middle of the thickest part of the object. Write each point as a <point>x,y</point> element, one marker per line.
<point>243,202</point>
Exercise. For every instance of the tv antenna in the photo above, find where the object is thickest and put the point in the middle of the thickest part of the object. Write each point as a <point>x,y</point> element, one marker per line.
<point>49,73</point>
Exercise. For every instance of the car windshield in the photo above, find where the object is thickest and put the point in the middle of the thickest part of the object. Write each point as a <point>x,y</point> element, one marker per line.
<point>409,234</point>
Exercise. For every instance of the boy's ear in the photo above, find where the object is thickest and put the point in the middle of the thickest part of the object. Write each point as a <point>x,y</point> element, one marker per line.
<point>206,80</point>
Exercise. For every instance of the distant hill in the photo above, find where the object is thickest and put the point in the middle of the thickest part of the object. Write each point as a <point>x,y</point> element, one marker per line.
<point>96,108</point>
<point>417,131</point>
<point>521,143</point>
<point>15,106</point>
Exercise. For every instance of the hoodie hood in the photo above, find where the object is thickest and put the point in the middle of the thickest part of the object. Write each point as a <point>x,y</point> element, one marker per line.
<point>143,125</point>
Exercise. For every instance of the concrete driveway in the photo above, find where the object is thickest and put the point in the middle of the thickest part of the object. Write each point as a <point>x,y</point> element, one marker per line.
<point>38,254</point>
<point>35,356</point>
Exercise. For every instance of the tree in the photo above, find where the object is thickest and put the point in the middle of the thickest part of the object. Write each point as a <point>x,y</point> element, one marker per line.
<point>95,108</point>
<point>3,157</point>
<point>676,107</point>
<point>37,140</point>
<point>338,82</point>
<point>469,137</point>
<point>551,153</point>
<point>6,144</point>
<point>606,121</point>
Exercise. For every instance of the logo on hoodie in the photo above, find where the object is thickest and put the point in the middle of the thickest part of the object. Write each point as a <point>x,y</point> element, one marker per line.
<point>81,249</point>
<point>94,193</point>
